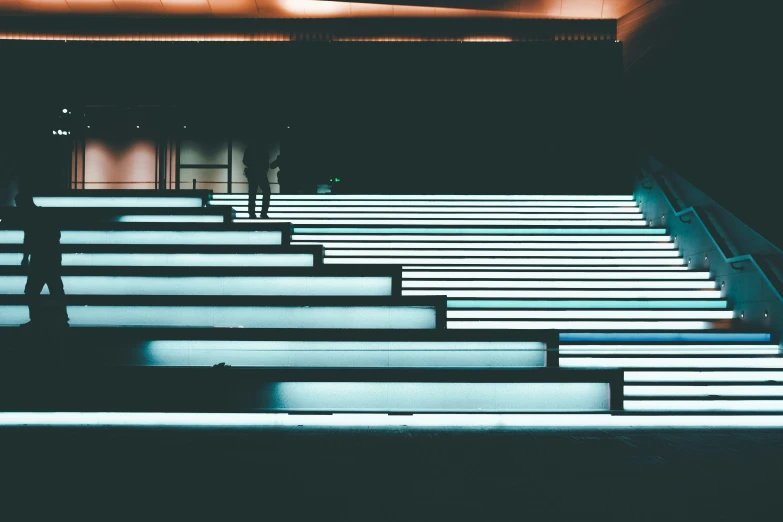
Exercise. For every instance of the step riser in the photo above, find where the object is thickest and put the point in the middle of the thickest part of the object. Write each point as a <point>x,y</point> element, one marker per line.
<point>154,237</point>
<point>171,260</point>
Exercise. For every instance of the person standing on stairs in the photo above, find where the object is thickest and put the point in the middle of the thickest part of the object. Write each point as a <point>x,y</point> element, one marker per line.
<point>42,259</point>
<point>256,160</point>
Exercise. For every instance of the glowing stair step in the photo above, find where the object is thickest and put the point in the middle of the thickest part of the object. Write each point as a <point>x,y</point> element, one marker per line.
<point>620,219</point>
<point>626,199</point>
<point>685,362</point>
<point>507,261</point>
<point>87,215</point>
<point>425,274</point>
<point>616,234</point>
<point>379,390</point>
<point>313,312</point>
<point>701,315</point>
<point>645,256</point>
<point>703,349</point>
<point>126,199</point>
<point>566,325</point>
<point>425,244</point>
<point>589,304</point>
<point>108,255</point>
<point>168,233</point>
<point>426,208</point>
<point>570,294</point>
<point>695,405</point>
<point>634,241</point>
<point>551,284</point>
<point>303,348</point>
<point>330,221</point>
<point>367,281</point>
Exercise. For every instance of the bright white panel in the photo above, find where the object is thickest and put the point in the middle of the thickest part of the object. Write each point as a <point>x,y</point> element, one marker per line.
<point>436,197</point>
<point>671,362</point>
<point>412,274</point>
<point>645,256</point>
<point>562,269</point>
<point>436,421</point>
<point>266,260</point>
<point>270,286</point>
<point>701,376</point>
<point>464,222</point>
<point>169,219</point>
<point>242,212</point>
<point>345,354</point>
<point>564,261</point>
<point>117,201</point>
<point>455,233</point>
<point>705,405</point>
<point>704,391</point>
<point>434,208</point>
<point>393,317</point>
<point>441,396</point>
<point>573,294</point>
<point>579,325</point>
<point>667,349</point>
<point>640,304</point>
<point>425,243</point>
<point>648,240</point>
<point>156,237</point>
<point>486,284</point>
<point>703,315</point>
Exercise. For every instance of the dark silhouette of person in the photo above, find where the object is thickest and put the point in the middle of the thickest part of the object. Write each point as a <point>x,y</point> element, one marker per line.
<point>256,160</point>
<point>42,258</point>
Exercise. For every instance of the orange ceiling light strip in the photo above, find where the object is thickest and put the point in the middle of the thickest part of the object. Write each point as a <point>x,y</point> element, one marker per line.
<point>261,37</point>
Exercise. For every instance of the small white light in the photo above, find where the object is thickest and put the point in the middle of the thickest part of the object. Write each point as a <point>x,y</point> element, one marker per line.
<point>59,132</point>
<point>689,261</point>
<point>705,258</point>
<point>723,284</point>
<point>65,111</point>
<point>137,126</point>
<point>742,315</point>
<point>88,126</point>
<point>54,132</point>
<point>766,313</point>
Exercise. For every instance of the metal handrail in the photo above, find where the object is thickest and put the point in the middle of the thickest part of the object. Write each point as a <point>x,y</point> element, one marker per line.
<point>720,245</point>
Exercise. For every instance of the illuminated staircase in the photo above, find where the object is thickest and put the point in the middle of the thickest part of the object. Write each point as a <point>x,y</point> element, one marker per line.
<point>588,266</point>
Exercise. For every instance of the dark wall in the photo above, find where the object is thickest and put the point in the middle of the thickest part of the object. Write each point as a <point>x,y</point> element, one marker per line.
<point>533,117</point>
<point>703,95</point>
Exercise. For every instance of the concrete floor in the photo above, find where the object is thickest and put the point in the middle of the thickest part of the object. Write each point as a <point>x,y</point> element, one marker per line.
<point>307,473</point>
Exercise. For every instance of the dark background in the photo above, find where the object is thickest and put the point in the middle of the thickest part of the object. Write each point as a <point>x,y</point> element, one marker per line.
<point>384,117</point>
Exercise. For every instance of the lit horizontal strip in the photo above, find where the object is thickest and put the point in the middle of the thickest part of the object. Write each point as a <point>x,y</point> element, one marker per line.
<point>630,232</point>
<point>676,271</point>
<point>246,285</point>
<point>708,405</point>
<point>117,201</point>
<point>564,261</point>
<point>573,294</point>
<point>436,421</point>
<point>427,208</point>
<point>169,219</point>
<point>242,212</point>
<point>648,241</point>
<point>318,317</point>
<point>645,255</point>
<point>391,245</point>
<point>666,349</point>
<point>324,202</point>
<point>156,237</point>
<point>578,325</point>
<point>667,337</point>
<point>703,391</point>
<point>436,197</point>
<point>672,362</point>
<point>614,285</point>
<point>463,222</point>
<point>439,396</point>
<point>413,274</point>
<point>174,259</point>
<point>715,304</point>
<point>344,354</point>
<point>698,376</point>
<point>703,315</point>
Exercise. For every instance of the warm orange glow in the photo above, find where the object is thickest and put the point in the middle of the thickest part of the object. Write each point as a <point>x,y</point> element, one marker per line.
<point>261,37</point>
<point>582,9</point>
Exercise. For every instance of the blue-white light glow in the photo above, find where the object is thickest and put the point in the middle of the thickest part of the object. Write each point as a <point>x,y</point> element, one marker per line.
<point>436,421</point>
<point>613,218</point>
<point>520,275</point>
<point>573,285</point>
<point>152,218</point>
<point>318,317</point>
<point>715,304</point>
<point>704,391</point>
<point>457,324</point>
<point>427,243</point>
<point>440,396</point>
<point>350,354</point>
<point>672,362</point>
<point>507,261</point>
<point>426,208</point>
<point>117,201</point>
<point>268,286</point>
<point>704,376</point>
<point>156,237</point>
<point>571,294</point>
<point>664,337</point>
<point>704,315</point>
<point>455,231</point>
<point>176,259</point>
<point>470,222</point>
<point>434,197</point>
<point>647,256</point>
<point>705,405</point>
<point>669,349</point>
<point>627,240</point>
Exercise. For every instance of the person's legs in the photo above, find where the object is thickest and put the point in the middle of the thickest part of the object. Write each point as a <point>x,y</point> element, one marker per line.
<point>267,190</point>
<point>57,312</point>
<point>32,291</point>
<point>252,188</point>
